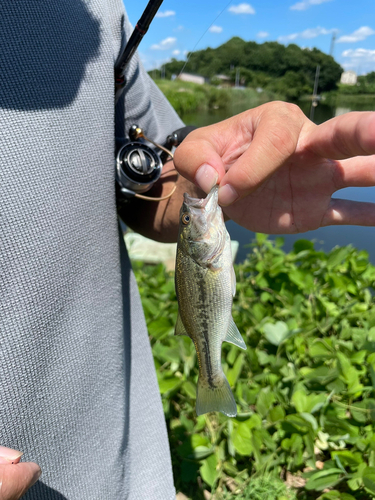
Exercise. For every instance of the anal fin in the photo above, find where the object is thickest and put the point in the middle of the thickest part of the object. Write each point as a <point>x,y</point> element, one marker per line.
<point>233,336</point>
<point>179,328</point>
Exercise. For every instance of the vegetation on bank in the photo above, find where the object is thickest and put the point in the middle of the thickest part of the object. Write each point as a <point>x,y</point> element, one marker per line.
<point>365,85</point>
<point>286,70</point>
<point>305,387</point>
<point>363,92</point>
<point>187,97</point>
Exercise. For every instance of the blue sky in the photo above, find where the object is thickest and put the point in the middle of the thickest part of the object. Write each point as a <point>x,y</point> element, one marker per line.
<point>307,23</point>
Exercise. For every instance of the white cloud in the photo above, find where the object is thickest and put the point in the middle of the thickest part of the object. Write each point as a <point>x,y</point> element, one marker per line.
<point>176,52</point>
<point>357,35</point>
<point>166,13</point>
<point>242,8</point>
<point>306,34</point>
<point>288,38</point>
<point>306,4</point>
<point>361,60</point>
<point>215,29</point>
<point>165,44</point>
<point>314,32</point>
<point>263,34</point>
<point>179,28</point>
<point>149,62</point>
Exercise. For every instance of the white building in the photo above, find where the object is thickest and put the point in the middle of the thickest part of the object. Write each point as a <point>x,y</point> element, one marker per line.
<point>349,78</point>
<point>187,77</point>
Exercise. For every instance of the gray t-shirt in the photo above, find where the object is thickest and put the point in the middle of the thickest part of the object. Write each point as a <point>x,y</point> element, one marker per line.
<point>78,392</point>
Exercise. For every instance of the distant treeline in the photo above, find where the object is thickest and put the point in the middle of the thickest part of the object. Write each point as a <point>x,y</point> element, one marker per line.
<point>287,70</point>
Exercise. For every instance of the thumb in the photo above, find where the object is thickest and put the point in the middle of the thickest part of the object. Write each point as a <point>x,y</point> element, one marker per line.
<point>198,160</point>
<point>15,478</point>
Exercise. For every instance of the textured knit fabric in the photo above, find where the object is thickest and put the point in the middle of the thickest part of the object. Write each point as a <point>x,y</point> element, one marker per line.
<point>78,391</point>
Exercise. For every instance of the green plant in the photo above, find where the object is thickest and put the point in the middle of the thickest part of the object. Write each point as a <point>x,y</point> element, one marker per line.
<point>305,387</point>
<point>264,488</point>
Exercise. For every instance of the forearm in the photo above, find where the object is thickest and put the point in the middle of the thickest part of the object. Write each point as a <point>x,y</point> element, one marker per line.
<point>159,220</point>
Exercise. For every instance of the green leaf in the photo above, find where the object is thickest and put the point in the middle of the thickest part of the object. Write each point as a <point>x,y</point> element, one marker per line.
<point>303,280</point>
<point>264,401</point>
<point>160,328</point>
<point>337,256</point>
<point>348,458</point>
<point>310,419</point>
<point>368,477</point>
<point>208,470</point>
<point>261,238</point>
<point>276,414</point>
<point>234,373</point>
<point>201,452</point>
<point>276,333</point>
<point>151,306</point>
<point>336,495</point>
<point>323,479</point>
<point>168,384</point>
<point>190,389</point>
<point>241,439</point>
<point>302,244</point>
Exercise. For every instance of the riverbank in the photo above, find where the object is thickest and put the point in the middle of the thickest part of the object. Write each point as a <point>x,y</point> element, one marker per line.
<point>187,97</point>
<point>340,99</point>
<point>304,386</point>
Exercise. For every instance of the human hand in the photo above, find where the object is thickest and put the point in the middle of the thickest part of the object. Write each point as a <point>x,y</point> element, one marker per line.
<point>15,478</point>
<point>277,170</point>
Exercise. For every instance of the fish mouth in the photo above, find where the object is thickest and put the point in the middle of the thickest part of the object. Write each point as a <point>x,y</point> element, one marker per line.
<point>201,202</point>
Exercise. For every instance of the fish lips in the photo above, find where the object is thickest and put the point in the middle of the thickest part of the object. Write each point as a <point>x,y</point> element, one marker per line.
<point>203,211</point>
<point>209,203</point>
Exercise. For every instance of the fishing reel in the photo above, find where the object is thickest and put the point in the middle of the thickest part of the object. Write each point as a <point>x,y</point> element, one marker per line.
<point>138,166</point>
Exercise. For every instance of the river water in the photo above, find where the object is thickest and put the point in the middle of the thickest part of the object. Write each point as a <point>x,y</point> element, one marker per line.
<point>325,238</point>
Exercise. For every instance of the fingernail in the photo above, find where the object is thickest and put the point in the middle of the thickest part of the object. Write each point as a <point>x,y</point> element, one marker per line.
<point>227,195</point>
<point>7,455</point>
<point>36,476</point>
<point>206,177</point>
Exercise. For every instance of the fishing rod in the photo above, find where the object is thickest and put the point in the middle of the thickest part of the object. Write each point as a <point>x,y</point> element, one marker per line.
<point>128,49</point>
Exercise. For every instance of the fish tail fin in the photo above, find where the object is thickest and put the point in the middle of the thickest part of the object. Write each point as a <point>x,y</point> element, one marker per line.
<point>218,398</point>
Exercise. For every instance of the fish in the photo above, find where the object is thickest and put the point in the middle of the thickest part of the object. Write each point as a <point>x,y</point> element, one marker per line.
<point>205,285</point>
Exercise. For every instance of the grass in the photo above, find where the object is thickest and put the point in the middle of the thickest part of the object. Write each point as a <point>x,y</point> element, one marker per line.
<point>187,97</point>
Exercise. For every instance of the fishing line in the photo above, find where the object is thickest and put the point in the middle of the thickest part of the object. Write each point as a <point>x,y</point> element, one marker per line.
<point>195,46</point>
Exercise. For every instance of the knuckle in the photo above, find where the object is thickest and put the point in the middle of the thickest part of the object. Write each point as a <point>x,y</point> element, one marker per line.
<point>283,108</point>
<point>283,141</point>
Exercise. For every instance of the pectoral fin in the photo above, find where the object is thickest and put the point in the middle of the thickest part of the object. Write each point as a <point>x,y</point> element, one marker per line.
<point>179,328</point>
<point>233,336</point>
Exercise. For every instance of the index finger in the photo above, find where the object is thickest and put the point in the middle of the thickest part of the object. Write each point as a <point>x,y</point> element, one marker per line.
<point>345,136</point>
<point>275,140</point>
<point>242,151</point>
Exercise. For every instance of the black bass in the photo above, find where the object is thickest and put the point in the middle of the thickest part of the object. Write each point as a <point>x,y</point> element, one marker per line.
<point>205,286</point>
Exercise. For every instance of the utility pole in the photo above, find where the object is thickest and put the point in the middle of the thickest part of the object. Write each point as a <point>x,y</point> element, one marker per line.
<point>237,83</point>
<point>333,40</point>
<point>314,98</point>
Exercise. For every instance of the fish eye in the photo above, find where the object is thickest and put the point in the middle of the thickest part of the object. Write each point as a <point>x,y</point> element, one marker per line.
<point>185,219</point>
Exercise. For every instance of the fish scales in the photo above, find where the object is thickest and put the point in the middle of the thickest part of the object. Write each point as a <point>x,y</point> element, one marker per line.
<point>204,285</point>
